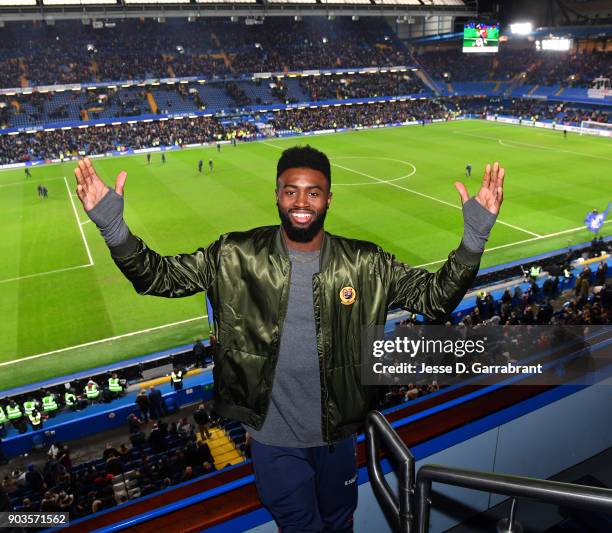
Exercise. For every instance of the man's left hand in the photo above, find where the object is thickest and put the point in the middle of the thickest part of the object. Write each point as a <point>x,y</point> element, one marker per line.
<point>491,193</point>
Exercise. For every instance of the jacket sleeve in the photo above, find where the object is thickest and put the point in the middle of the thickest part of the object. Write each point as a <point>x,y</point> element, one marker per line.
<point>433,294</point>
<point>171,276</point>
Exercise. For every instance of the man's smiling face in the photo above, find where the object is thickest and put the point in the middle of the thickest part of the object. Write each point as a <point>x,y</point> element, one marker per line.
<point>302,197</point>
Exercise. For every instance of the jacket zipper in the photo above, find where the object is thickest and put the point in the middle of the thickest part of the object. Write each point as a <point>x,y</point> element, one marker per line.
<point>319,332</point>
<point>281,323</point>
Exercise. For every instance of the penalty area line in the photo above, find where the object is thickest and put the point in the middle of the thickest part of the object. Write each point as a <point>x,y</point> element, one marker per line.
<point>44,273</point>
<point>100,341</point>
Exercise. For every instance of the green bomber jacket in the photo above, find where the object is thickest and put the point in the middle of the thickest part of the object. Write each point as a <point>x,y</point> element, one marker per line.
<point>246,276</point>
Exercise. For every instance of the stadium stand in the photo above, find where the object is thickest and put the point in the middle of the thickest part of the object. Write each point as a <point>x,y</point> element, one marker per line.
<point>72,53</point>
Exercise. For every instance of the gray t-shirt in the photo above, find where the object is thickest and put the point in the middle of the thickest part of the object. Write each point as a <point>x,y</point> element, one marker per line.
<point>294,414</point>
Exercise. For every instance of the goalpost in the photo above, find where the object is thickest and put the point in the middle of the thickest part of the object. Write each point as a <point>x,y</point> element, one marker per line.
<point>590,127</point>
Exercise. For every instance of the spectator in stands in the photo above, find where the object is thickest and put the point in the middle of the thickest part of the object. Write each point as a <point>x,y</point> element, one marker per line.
<point>187,474</point>
<point>109,451</point>
<point>124,452</point>
<point>184,428</point>
<point>582,289</point>
<point>134,423</point>
<point>202,419</point>
<point>157,439</point>
<point>64,458</point>
<point>20,478</point>
<point>54,451</point>
<point>65,501</point>
<point>204,453</point>
<point>9,484</point>
<point>156,403</point>
<point>26,505</point>
<point>208,468</point>
<point>163,427</point>
<point>51,472</point>
<point>142,401</point>
<point>114,465</point>
<point>34,479</point>
<point>49,503</point>
<point>600,275</point>
<point>260,259</point>
<point>96,506</point>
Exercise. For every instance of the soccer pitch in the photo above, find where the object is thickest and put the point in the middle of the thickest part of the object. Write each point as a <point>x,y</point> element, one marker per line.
<point>66,307</point>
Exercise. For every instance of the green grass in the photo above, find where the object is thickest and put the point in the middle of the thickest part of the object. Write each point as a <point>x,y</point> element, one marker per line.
<point>551,184</point>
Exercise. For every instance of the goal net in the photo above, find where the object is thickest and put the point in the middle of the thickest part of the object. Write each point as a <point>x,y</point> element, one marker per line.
<point>590,127</point>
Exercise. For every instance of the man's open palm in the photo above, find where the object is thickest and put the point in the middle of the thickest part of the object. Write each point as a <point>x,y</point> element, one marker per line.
<point>491,193</point>
<point>90,188</point>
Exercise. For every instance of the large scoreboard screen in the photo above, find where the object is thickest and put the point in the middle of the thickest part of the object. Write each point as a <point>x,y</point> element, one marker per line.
<point>479,37</point>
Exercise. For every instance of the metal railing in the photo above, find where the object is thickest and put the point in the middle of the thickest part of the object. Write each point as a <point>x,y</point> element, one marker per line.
<point>400,508</point>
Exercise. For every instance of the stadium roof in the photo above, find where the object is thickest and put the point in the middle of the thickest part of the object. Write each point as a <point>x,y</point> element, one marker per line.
<point>49,10</point>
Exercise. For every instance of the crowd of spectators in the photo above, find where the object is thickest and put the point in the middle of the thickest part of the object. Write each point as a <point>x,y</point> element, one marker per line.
<point>159,457</point>
<point>531,109</point>
<point>589,302</point>
<point>38,108</point>
<point>59,143</point>
<point>451,64</point>
<point>569,69</point>
<point>398,395</point>
<point>322,118</point>
<point>70,52</point>
<point>313,43</point>
<point>280,91</point>
<point>237,94</point>
<point>342,87</point>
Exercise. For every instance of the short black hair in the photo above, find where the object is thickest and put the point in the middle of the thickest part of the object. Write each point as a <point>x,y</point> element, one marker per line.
<point>306,157</point>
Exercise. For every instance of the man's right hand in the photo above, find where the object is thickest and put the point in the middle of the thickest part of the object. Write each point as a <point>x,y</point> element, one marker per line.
<point>103,206</point>
<point>90,188</point>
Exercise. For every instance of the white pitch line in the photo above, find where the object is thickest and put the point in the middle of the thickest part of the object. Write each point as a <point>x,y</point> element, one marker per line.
<point>85,222</point>
<point>433,198</point>
<point>99,341</point>
<point>532,146</point>
<point>80,226</point>
<point>548,235</point>
<point>27,181</point>
<point>540,147</point>
<point>44,273</point>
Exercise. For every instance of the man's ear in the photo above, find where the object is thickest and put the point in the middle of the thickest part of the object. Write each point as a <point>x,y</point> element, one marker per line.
<point>329,198</point>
